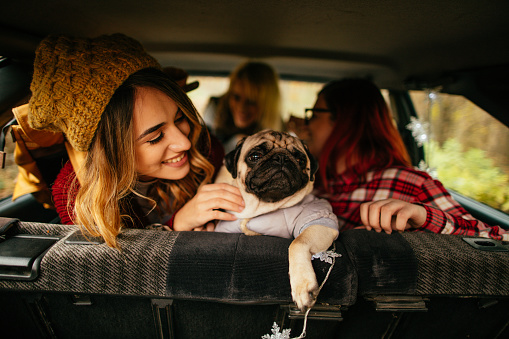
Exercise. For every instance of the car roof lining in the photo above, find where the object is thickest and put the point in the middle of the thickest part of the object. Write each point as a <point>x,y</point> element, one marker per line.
<point>405,36</point>
<point>390,42</point>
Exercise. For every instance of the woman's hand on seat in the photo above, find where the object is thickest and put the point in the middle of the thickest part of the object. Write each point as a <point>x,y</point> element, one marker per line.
<point>392,215</point>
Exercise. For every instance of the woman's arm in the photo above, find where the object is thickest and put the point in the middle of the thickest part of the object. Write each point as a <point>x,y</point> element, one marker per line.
<point>445,215</point>
<point>434,210</point>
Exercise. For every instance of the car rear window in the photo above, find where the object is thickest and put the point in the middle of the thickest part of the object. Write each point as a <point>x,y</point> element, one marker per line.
<point>295,95</point>
<point>466,148</point>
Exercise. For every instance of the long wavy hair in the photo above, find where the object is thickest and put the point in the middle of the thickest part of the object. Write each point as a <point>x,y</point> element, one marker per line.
<point>261,84</point>
<point>364,131</point>
<point>108,177</point>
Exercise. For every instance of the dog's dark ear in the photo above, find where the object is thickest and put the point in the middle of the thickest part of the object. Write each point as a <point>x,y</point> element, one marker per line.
<point>313,163</point>
<point>232,158</point>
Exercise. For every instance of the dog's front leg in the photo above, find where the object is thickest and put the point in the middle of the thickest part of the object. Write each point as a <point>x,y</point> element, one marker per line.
<point>314,239</point>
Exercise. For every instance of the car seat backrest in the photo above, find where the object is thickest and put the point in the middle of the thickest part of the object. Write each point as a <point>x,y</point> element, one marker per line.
<point>201,284</point>
<point>448,265</point>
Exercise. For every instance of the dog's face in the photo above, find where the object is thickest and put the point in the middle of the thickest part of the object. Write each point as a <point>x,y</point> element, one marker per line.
<point>272,166</point>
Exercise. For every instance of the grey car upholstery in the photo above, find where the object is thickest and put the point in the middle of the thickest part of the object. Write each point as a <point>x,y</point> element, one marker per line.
<point>447,265</point>
<point>237,268</point>
<point>199,284</point>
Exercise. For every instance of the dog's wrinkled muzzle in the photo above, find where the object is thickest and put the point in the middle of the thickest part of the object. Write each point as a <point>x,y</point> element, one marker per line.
<point>277,176</point>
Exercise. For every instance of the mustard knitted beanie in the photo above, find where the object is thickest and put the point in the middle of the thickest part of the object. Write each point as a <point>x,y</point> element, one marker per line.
<point>75,78</point>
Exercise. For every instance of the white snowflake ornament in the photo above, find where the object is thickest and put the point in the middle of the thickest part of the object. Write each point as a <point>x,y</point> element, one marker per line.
<point>276,334</point>
<point>419,130</point>
<point>326,256</point>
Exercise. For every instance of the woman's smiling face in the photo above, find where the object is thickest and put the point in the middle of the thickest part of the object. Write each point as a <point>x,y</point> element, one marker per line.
<point>161,136</point>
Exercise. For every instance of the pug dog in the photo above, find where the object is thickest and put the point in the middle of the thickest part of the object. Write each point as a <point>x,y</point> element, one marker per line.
<point>275,173</point>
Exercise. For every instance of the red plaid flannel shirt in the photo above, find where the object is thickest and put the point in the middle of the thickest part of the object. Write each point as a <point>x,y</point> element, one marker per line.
<point>444,214</point>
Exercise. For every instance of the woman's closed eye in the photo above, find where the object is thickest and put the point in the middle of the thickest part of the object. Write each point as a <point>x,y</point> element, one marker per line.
<point>157,139</point>
<point>180,117</point>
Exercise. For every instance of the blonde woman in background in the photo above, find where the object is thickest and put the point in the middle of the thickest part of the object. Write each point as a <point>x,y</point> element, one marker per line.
<point>252,103</point>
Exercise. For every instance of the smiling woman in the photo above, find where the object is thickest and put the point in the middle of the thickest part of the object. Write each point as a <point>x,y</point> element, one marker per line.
<point>161,132</point>
<point>175,284</point>
<point>146,155</point>
<point>252,103</point>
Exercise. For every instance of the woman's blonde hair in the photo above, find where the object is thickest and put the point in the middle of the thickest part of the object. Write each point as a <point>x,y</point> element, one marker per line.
<point>261,84</point>
<point>104,201</point>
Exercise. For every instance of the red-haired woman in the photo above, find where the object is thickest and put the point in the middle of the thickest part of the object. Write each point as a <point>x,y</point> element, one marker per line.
<point>365,171</point>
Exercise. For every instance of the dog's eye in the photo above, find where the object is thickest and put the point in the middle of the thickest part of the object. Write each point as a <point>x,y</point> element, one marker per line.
<point>254,157</point>
<point>301,159</point>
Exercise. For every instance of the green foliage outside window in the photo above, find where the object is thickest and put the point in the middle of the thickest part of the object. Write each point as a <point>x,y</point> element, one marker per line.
<point>470,172</point>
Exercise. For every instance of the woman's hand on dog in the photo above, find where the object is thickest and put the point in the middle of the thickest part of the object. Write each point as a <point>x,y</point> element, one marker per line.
<point>391,215</point>
<point>209,204</point>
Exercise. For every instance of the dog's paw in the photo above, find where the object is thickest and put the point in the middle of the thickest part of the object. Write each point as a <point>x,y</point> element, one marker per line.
<point>304,288</point>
